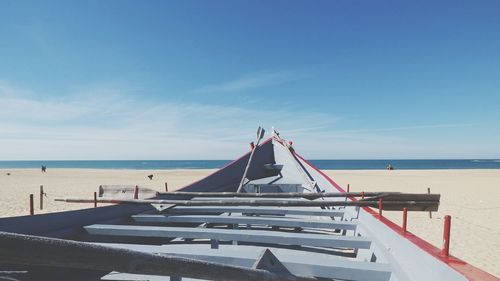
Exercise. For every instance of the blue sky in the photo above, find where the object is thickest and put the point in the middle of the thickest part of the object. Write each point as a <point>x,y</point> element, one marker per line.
<point>194,79</point>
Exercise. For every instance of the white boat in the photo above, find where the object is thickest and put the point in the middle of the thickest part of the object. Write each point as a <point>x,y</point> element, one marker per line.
<point>269,215</point>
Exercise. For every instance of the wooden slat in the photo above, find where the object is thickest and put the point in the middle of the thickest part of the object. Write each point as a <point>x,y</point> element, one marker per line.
<point>282,222</point>
<point>256,236</point>
<point>298,262</point>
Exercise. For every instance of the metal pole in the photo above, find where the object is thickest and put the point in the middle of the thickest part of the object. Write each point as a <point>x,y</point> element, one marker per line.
<point>348,188</point>
<point>41,197</point>
<point>32,209</point>
<point>95,199</point>
<point>166,187</point>
<point>380,207</point>
<point>429,192</point>
<point>446,236</point>
<point>136,192</point>
<point>405,218</point>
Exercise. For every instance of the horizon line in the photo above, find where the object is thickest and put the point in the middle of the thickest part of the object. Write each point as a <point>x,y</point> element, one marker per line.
<point>317,159</point>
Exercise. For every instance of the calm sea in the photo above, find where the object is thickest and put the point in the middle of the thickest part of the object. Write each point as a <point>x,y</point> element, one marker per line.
<point>214,164</point>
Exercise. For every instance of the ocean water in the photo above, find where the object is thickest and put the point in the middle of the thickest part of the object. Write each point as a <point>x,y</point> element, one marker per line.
<point>215,164</point>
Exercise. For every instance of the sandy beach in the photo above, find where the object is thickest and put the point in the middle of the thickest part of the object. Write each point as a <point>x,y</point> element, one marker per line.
<point>81,183</point>
<point>469,196</point>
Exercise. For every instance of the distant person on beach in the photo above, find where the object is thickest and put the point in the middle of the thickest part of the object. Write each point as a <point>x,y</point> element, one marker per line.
<point>44,169</point>
<point>150,177</point>
<point>390,167</point>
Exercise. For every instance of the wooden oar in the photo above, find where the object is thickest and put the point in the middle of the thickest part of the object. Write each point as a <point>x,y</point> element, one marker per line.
<point>312,195</point>
<point>387,205</point>
<point>388,196</point>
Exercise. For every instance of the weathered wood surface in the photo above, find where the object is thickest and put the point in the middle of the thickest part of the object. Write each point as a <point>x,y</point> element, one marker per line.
<point>321,265</point>
<point>125,192</point>
<point>243,235</point>
<point>45,251</point>
<point>387,205</point>
<point>394,196</point>
<point>308,195</point>
<point>235,219</point>
<point>275,211</point>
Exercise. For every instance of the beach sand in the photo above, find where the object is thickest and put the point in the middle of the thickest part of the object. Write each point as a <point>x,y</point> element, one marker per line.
<point>81,183</point>
<point>469,196</point>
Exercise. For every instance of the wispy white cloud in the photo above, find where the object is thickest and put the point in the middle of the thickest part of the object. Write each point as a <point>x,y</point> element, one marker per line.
<point>8,90</point>
<point>253,81</point>
<point>411,127</point>
<point>107,123</point>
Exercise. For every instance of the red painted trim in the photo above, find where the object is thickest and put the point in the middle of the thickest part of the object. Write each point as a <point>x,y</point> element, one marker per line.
<point>470,272</point>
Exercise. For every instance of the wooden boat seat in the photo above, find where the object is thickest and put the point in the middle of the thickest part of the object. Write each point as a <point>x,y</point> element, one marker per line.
<point>298,262</point>
<point>255,236</point>
<point>235,219</point>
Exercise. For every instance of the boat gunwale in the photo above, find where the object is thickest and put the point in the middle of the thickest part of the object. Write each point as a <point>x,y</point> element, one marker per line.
<point>467,270</point>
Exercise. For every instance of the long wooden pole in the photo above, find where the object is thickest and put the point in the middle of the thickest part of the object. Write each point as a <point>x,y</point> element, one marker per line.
<point>276,195</point>
<point>388,205</point>
<point>312,195</point>
<point>394,196</point>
